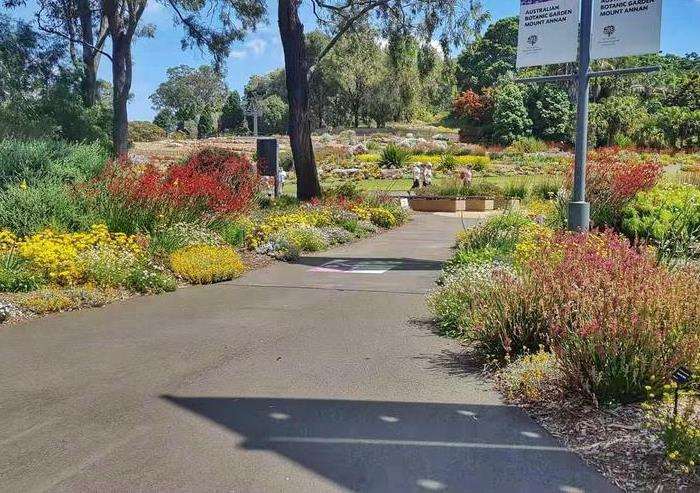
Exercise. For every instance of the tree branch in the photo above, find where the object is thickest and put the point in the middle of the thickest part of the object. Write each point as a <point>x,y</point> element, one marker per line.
<point>349,22</point>
<point>66,36</point>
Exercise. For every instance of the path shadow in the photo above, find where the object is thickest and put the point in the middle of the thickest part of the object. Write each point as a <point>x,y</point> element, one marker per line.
<point>402,446</point>
<point>350,264</point>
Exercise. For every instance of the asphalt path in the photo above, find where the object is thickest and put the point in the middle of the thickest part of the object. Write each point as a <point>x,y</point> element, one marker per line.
<point>317,376</point>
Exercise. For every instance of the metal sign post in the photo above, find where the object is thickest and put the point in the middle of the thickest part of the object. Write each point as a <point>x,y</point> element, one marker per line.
<point>254,109</point>
<point>579,209</point>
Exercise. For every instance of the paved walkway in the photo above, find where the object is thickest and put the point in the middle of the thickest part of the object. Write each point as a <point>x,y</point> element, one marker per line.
<point>318,376</point>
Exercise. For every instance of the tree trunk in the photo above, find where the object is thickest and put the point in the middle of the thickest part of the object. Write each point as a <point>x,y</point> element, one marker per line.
<point>297,68</point>
<point>90,56</point>
<point>121,81</point>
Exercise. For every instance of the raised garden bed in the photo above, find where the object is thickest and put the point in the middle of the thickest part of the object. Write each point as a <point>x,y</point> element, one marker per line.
<point>451,204</point>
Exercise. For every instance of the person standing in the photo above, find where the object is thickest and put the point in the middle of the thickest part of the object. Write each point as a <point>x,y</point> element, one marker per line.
<point>427,175</point>
<point>416,177</point>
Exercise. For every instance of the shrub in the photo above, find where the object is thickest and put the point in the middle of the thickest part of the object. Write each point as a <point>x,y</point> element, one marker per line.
<point>56,255</point>
<point>170,238</point>
<point>16,276</point>
<point>451,303</point>
<point>546,190</point>
<point>336,235</point>
<point>516,191</point>
<point>28,209</point>
<point>669,216</point>
<point>394,156</point>
<point>475,108</point>
<point>526,145</point>
<point>303,238</point>
<point>211,182</point>
<point>500,233</point>
<point>147,278</point>
<point>453,187</point>
<point>34,161</point>
<point>50,300</point>
<point>612,182</point>
<point>510,117</point>
<point>531,377</point>
<point>233,232</point>
<point>620,322</point>
<point>104,266</point>
<point>680,434</point>
<point>382,217</point>
<point>145,132</point>
<point>205,264</point>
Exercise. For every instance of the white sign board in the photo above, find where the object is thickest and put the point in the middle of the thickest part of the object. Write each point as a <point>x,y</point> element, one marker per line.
<point>625,27</point>
<point>548,32</point>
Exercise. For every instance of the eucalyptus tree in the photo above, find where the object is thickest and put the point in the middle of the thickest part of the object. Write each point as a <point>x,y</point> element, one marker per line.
<point>425,18</point>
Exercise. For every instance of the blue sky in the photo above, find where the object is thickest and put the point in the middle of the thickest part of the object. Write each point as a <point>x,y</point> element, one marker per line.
<point>262,51</point>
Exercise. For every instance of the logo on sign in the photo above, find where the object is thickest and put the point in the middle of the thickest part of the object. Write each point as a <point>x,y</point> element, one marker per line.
<point>609,30</point>
<point>532,40</point>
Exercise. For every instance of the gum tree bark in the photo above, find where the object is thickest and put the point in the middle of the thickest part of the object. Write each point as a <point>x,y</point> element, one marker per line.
<point>297,75</point>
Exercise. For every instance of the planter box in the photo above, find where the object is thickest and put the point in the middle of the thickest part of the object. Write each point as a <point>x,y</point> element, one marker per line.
<point>436,204</point>
<point>502,203</point>
<point>478,204</point>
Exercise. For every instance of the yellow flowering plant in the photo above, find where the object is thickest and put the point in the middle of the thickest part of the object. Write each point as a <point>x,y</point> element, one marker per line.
<point>680,433</point>
<point>205,264</point>
<point>56,255</point>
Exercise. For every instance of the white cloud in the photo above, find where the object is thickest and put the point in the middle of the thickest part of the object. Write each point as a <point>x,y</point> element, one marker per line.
<point>238,54</point>
<point>256,46</point>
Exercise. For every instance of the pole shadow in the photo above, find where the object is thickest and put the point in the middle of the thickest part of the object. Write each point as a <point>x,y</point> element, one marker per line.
<point>403,446</point>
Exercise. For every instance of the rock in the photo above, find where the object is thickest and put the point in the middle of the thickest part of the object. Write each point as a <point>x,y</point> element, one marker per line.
<point>5,312</point>
<point>359,149</point>
<point>345,172</point>
<point>391,174</point>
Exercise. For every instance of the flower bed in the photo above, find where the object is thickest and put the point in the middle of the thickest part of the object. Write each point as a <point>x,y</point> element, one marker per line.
<point>139,229</point>
<point>585,321</point>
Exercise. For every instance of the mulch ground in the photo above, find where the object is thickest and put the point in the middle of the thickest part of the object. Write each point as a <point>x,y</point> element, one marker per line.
<point>614,442</point>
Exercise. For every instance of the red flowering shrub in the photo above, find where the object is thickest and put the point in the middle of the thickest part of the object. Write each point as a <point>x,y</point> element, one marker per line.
<point>210,182</point>
<point>473,106</point>
<point>612,181</point>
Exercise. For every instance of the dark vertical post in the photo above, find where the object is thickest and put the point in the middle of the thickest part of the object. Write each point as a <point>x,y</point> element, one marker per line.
<point>268,160</point>
<point>579,209</point>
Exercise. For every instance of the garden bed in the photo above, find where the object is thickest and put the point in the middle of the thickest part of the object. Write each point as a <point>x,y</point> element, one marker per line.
<point>586,330</point>
<point>122,229</point>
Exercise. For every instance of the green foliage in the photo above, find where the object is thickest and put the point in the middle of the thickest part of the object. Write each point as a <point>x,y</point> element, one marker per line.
<point>303,238</point>
<point>526,145</point>
<point>394,156</point>
<point>17,276</point>
<point>452,187</point>
<point>668,216</point>
<point>232,115</point>
<point>232,232</point>
<point>165,119</point>
<point>275,115</point>
<point>33,161</point>
<point>106,267</point>
<point>188,91</point>
<point>145,132</point>
<point>552,113</point>
<point>179,235</point>
<point>500,233</point>
<point>490,57</point>
<point>146,278</point>
<point>205,126</point>
<point>510,117</point>
<point>26,210</point>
